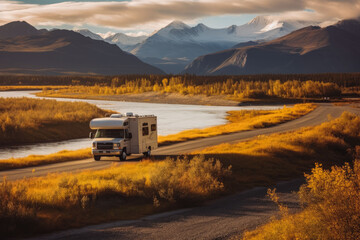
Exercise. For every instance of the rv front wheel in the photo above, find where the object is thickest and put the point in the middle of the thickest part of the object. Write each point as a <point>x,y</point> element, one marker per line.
<point>123,155</point>
<point>97,158</point>
<point>148,153</point>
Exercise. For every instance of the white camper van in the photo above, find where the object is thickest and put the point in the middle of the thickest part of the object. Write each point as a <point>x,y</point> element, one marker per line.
<point>121,135</point>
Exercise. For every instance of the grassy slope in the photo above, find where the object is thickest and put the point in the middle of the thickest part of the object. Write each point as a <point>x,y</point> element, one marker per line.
<point>332,208</point>
<point>25,120</point>
<point>268,159</point>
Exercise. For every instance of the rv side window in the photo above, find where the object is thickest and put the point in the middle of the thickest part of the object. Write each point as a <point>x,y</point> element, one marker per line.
<point>153,127</point>
<point>145,131</point>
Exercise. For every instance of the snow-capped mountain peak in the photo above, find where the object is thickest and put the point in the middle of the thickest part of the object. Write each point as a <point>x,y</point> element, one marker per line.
<point>177,25</point>
<point>271,26</point>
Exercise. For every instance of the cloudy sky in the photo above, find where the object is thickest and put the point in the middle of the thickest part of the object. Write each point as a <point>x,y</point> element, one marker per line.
<point>137,16</point>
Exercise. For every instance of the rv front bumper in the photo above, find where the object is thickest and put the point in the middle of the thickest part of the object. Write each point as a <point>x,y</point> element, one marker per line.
<point>106,152</point>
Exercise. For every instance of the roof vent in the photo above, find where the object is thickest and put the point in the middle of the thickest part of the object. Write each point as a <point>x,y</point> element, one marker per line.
<point>129,114</point>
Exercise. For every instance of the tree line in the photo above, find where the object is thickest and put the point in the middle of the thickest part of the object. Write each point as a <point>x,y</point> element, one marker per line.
<point>341,79</point>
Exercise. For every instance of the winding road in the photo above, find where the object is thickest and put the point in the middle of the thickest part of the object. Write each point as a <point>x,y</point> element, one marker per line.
<point>318,116</point>
<point>220,219</point>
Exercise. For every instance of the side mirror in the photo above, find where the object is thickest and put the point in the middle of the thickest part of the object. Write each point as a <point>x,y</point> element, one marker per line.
<point>91,135</point>
<point>129,135</point>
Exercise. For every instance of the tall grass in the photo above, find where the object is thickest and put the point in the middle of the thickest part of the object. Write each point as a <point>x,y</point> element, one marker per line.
<point>242,121</point>
<point>37,160</point>
<point>168,181</point>
<point>332,208</point>
<point>268,159</point>
<point>26,120</point>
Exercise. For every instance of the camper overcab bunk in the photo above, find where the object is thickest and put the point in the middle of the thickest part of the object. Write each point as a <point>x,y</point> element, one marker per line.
<point>122,135</point>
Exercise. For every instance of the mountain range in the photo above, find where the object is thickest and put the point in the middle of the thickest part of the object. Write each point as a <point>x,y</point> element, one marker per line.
<point>312,49</point>
<point>252,48</point>
<point>26,50</point>
<point>176,45</point>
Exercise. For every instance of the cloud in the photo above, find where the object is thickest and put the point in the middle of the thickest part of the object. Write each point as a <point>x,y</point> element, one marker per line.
<point>147,13</point>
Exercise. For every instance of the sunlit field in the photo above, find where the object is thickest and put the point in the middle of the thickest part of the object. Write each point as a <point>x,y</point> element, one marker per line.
<point>60,201</point>
<point>268,159</point>
<point>242,121</point>
<point>68,200</point>
<point>26,120</point>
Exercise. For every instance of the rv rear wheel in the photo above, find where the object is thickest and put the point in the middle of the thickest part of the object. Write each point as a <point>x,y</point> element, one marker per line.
<point>123,155</point>
<point>97,158</point>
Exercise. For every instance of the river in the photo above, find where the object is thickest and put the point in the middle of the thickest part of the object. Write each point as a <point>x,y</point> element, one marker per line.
<point>172,118</point>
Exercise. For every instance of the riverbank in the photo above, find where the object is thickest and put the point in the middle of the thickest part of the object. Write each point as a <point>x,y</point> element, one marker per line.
<point>150,97</point>
<point>28,121</point>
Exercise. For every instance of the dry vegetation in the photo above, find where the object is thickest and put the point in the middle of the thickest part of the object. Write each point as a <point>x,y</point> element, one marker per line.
<point>69,200</point>
<point>21,87</point>
<point>331,200</point>
<point>268,159</point>
<point>132,190</point>
<point>242,121</point>
<point>25,120</point>
<point>236,90</point>
<point>37,160</point>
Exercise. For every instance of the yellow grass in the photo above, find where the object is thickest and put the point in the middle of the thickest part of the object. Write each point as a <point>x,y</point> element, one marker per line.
<point>26,120</point>
<point>37,160</point>
<point>332,200</point>
<point>242,121</point>
<point>34,87</point>
<point>267,159</point>
<point>56,198</point>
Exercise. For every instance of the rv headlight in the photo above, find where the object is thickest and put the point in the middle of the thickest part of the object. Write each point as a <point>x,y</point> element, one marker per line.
<point>94,145</point>
<point>116,145</point>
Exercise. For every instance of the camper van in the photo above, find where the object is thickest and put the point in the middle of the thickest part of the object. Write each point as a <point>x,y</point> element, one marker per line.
<point>122,135</point>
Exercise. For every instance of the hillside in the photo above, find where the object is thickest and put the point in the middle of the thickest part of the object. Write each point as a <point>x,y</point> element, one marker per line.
<point>335,48</point>
<point>61,52</point>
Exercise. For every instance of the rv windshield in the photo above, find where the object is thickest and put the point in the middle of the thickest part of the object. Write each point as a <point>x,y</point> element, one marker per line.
<point>109,133</point>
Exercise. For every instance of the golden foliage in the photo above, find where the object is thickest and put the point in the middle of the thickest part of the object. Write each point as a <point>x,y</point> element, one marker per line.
<point>39,120</point>
<point>37,160</point>
<point>333,134</point>
<point>332,208</point>
<point>181,180</point>
<point>234,89</point>
<point>242,121</point>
